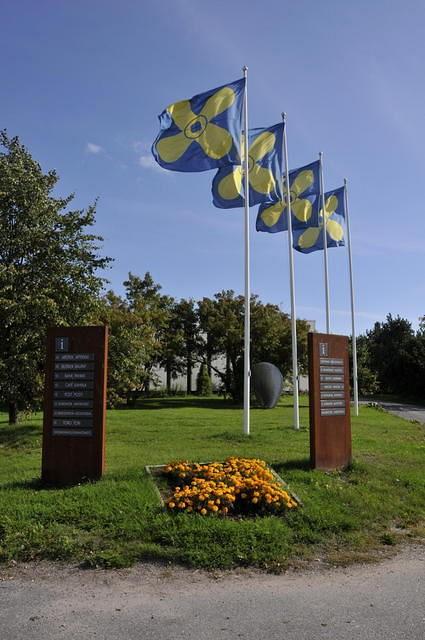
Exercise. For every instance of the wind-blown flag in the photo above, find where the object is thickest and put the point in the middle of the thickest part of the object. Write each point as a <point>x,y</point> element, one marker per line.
<point>203,132</point>
<point>311,239</point>
<point>304,189</point>
<point>264,171</point>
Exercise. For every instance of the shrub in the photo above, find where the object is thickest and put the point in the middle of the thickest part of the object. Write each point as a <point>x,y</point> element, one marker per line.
<point>203,382</point>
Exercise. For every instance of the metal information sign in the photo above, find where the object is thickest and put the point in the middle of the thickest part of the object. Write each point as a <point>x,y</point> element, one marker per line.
<point>74,407</point>
<point>68,413</point>
<point>330,429</point>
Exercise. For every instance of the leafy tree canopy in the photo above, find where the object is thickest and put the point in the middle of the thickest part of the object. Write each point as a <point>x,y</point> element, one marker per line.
<point>391,358</point>
<point>140,336</point>
<point>49,262</point>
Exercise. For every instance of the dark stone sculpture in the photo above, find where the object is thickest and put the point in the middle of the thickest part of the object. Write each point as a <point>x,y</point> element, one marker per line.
<point>267,384</point>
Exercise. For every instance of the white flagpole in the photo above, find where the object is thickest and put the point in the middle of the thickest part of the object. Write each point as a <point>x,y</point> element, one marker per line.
<point>325,246</point>
<point>292,284</point>
<point>247,323</point>
<point>353,325</point>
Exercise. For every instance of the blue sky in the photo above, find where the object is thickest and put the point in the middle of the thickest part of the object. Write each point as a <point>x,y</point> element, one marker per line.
<point>83,83</point>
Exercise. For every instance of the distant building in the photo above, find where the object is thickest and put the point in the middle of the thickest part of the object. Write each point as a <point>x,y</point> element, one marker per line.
<point>179,383</point>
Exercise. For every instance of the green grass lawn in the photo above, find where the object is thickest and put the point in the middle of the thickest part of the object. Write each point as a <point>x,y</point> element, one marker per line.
<point>117,521</point>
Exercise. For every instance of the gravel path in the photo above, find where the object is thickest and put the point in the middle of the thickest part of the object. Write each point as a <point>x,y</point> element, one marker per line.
<point>147,602</point>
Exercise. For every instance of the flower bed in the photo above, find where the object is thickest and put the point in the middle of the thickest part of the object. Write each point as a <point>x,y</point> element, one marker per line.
<point>237,486</point>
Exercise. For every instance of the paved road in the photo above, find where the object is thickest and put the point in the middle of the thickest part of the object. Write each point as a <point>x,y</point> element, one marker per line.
<point>407,411</point>
<point>369,602</point>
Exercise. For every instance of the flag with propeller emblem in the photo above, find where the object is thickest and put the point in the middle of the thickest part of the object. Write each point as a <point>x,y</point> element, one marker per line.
<point>264,171</point>
<point>203,132</point>
<point>304,189</point>
<point>311,239</point>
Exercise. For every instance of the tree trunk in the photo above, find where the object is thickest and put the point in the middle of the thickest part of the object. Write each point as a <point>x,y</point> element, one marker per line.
<point>168,378</point>
<point>189,375</point>
<point>209,356</point>
<point>13,413</point>
<point>228,374</point>
<point>209,362</point>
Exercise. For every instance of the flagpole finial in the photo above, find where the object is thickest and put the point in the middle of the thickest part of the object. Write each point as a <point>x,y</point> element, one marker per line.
<point>345,182</point>
<point>244,68</point>
<point>320,154</point>
<point>284,116</point>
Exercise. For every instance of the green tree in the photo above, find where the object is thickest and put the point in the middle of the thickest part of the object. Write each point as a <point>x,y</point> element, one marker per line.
<point>271,339</point>
<point>132,343</point>
<point>415,382</point>
<point>366,376</point>
<point>49,263</point>
<point>391,358</point>
<point>207,345</point>
<point>390,345</point>
<point>188,322</point>
<point>225,328</point>
<point>222,320</point>
<point>145,289</point>
<point>203,381</point>
<point>153,308</point>
<point>172,349</point>
<point>146,331</point>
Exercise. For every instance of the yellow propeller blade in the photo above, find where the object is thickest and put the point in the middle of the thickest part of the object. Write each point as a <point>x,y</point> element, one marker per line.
<point>302,182</point>
<point>272,214</point>
<point>301,209</point>
<point>331,206</point>
<point>335,230</point>
<point>261,179</point>
<point>262,145</point>
<point>181,113</point>
<point>219,102</point>
<point>309,238</point>
<point>172,148</point>
<point>230,187</point>
<point>215,141</point>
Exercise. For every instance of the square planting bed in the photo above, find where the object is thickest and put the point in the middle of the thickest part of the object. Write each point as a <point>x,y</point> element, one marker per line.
<point>236,487</point>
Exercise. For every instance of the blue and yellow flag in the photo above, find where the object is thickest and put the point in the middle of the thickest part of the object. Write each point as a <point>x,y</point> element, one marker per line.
<point>264,171</point>
<point>311,239</point>
<point>202,133</point>
<point>304,189</point>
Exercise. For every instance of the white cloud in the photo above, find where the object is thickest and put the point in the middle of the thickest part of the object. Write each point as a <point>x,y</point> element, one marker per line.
<point>147,162</point>
<point>94,148</point>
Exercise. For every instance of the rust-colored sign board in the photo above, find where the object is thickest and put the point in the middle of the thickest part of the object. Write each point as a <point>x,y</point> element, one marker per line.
<point>74,405</point>
<point>329,391</point>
